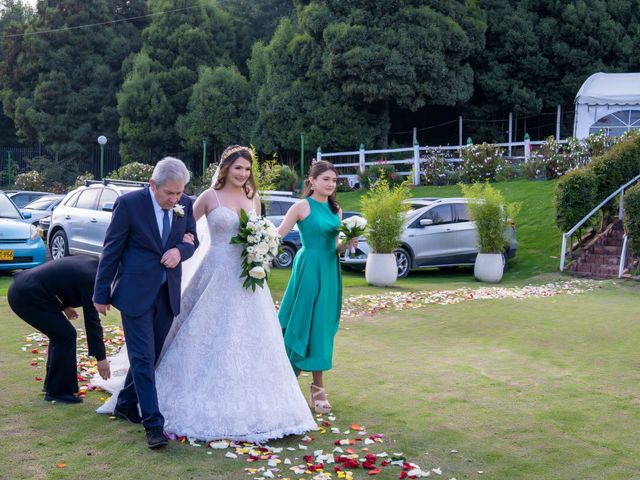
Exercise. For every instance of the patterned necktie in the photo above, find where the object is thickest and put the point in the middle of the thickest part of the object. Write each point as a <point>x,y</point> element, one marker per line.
<point>166,227</point>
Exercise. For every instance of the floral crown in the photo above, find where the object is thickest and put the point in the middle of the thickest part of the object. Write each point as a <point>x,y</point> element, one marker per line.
<point>230,151</point>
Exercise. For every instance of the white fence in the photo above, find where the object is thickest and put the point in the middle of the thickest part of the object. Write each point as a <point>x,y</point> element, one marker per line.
<point>415,160</point>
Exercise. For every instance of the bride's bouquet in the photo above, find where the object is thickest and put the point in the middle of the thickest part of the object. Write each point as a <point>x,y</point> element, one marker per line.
<point>261,243</point>
<point>351,228</point>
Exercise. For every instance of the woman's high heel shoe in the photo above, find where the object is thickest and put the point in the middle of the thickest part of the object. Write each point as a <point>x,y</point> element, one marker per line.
<point>320,406</point>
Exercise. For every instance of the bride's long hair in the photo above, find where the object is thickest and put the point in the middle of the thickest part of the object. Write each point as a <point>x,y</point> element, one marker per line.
<point>317,169</point>
<point>230,155</point>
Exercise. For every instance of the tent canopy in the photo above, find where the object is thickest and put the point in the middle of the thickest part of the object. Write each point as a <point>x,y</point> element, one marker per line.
<point>610,89</point>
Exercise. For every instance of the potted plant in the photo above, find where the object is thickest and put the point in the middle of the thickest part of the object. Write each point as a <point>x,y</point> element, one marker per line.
<point>384,210</point>
<point>491,215</point>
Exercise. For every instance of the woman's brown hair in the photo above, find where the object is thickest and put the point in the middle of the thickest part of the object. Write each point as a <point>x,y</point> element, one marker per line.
<point>317,169</point>
<point>230,155</point>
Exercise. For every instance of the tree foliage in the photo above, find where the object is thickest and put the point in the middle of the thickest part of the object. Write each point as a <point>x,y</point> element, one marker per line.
<point>60,87</point>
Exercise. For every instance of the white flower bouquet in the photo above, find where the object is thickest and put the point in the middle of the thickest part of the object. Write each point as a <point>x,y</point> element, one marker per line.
<point>261,243</point>
<point>351,228</point>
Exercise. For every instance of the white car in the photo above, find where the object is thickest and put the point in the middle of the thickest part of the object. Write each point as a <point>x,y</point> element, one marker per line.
<point>41,207</point>
<point>437,233</point>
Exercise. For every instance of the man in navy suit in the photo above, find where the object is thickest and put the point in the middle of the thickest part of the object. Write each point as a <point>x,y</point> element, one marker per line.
<point>140,273</point>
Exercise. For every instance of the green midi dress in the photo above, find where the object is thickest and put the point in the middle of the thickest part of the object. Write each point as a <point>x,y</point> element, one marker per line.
<point>310,310</point>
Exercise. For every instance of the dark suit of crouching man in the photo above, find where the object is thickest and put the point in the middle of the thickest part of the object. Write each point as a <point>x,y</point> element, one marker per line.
<point>46,297</point>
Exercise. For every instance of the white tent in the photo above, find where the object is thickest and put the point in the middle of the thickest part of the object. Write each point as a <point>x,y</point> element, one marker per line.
<point>609,102</point>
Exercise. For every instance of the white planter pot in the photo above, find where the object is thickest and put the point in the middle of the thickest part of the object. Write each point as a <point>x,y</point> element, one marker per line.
<point>381,269</point>
<point>489,267</point>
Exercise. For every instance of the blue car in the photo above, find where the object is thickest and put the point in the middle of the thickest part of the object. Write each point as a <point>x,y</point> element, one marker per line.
<point>20,243</point>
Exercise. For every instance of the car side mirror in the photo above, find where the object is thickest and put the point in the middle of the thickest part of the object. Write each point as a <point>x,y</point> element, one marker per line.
<point>425,222</point>
<point>26,215</point>
<point>107,206</point>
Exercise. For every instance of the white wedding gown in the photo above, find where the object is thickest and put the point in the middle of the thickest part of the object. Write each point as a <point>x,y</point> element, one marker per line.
<point>224,373</point>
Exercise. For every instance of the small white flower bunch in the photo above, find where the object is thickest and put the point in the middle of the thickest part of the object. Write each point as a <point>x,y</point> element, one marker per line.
<point>261,243</point>
<point>353,227</point>
<point>178,210</point>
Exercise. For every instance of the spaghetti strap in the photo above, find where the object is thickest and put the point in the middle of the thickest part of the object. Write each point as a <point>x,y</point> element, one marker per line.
<point>217,198</point>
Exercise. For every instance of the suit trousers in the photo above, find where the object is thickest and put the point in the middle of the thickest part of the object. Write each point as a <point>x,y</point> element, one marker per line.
<point>61,375</point>
<point>145,335</point>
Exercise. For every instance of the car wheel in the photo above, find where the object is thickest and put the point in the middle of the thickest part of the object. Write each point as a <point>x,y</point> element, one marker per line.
<point>285,259</point>
<point>59,245</point>
<point>403,260</point>
<point>505,261</point>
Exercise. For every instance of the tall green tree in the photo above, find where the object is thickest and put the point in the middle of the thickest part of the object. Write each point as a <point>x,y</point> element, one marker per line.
<point>255,21</point>
<point>218,110</point>
<point>293,96</point>
<point>60,87</point>
<point>12,12</point>
<point>406,53</point>
<point>539,52</point>
<point>174,46</point>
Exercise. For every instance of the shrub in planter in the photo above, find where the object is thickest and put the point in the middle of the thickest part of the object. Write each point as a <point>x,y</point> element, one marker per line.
<point>491,214</point>
<point>632,217</point>
<point>383,208</point>
<point>575,196</point>
<point>135,171</point>
<point>31,180</point>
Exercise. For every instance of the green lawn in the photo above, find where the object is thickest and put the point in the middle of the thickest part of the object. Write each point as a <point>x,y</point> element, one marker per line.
<point>537,388</point>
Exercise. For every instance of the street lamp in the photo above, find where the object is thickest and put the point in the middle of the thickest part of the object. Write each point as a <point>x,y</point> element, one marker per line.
<point>102,140</point>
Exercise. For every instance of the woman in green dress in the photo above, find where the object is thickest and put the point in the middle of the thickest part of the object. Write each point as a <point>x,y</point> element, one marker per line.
<point>310,310</point>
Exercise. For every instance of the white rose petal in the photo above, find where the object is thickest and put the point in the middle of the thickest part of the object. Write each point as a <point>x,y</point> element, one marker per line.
<point>257,272</point>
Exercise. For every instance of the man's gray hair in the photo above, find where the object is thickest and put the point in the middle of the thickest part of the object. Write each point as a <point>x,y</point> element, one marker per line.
<point>170,169</point>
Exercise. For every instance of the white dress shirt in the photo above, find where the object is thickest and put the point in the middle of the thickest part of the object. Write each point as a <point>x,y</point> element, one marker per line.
<point>157,209</point>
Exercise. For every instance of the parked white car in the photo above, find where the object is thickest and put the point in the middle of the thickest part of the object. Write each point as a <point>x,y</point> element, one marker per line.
<point>41,207</point>
<point>437,233</point>
<point>79,224</point>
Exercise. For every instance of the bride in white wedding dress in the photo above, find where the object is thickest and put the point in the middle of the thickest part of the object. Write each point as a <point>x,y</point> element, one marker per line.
<point>224,372</point>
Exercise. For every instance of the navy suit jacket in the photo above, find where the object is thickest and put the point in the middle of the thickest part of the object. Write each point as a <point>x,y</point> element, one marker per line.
<point>130,273</point>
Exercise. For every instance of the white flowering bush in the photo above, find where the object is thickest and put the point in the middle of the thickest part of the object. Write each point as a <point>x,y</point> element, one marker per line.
<point>437,168</point>
<point>261,244</point>
<point>482,162</point>
<point>31,181</point>
<point>135,171</point>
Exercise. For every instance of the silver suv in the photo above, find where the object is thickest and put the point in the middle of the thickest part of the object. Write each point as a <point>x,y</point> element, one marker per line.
<point>79,223</point>
<point>437,233</point>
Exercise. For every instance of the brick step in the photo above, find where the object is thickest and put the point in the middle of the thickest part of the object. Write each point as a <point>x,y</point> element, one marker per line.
<point>600,269</point>
<point>605,250</point>
<point>601,259</point>
<point>596,276</point>
<point>611,242</point>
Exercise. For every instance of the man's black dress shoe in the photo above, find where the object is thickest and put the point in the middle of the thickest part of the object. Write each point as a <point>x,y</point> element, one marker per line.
<point>62,398</point>
<point>128,415</point>
<point>155,437</point>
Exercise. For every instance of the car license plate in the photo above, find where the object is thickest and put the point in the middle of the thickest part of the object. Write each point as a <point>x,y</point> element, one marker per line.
<point>6,255</point>
<point>41,232</point>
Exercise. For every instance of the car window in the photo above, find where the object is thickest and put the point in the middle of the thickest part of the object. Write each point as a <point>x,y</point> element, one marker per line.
<point>462,213</point>
<point>274,208</point>
<point>285,206</point>
<point>89,198</point>
<point>40,204</point>
<point>8,209</point>
<point>72,200</point>
<point>440,214</point>
<point>108,195</point>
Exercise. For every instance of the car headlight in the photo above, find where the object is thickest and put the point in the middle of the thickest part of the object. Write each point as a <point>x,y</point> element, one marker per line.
<point>33,234</point>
